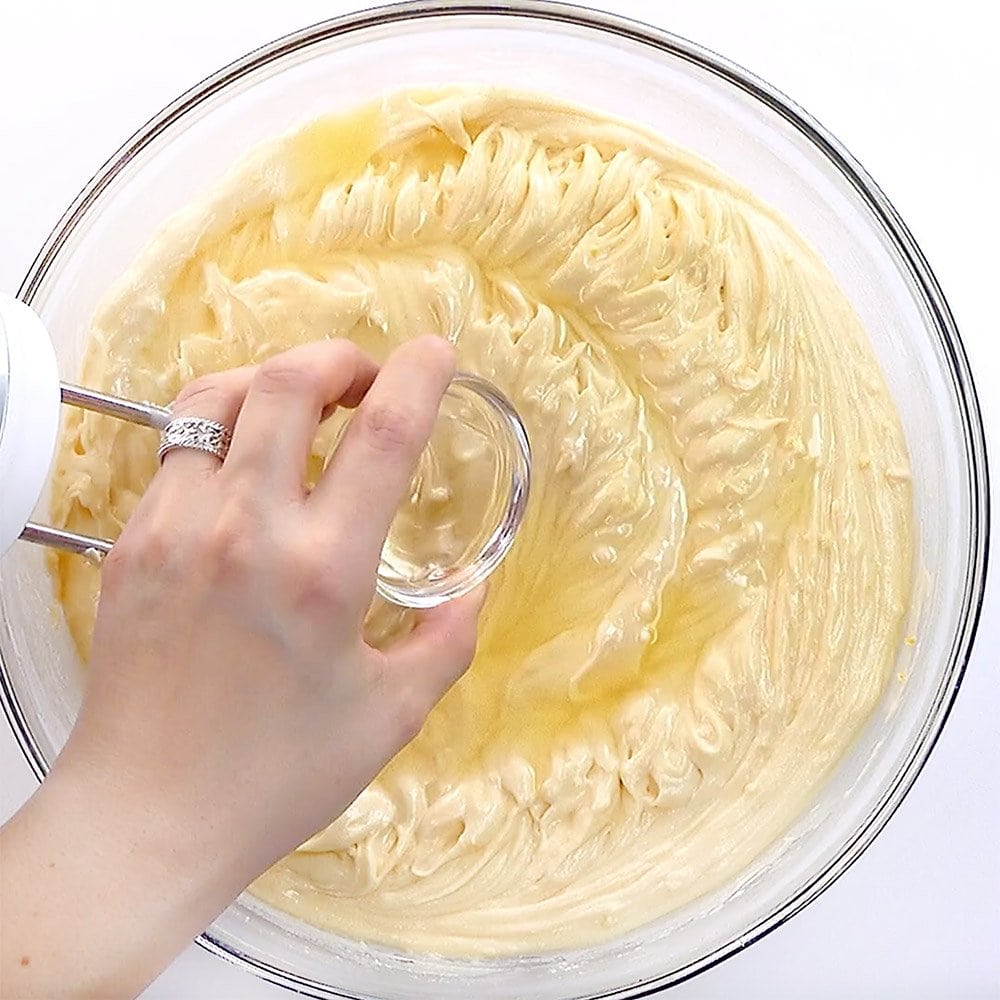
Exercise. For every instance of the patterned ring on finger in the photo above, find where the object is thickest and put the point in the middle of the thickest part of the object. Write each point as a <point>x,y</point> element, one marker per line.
<point>196,433</point>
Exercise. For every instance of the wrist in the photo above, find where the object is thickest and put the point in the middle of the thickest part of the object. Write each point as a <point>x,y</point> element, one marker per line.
<point>141,834</point>
<point>97,899</point>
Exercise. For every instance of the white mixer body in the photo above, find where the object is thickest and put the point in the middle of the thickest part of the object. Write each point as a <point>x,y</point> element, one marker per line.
<point>29,415</point>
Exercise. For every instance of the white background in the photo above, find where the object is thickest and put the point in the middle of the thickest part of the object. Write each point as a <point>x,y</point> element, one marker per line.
<point>914,98</point>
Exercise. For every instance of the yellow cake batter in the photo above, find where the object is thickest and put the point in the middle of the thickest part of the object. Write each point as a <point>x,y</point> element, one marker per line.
<point>706,597</point>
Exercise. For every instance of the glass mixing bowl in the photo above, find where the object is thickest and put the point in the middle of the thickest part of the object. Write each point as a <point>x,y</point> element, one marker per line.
<point>758,136</point>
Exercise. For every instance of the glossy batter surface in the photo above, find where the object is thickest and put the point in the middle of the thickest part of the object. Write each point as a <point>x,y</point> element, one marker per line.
<point>705,600</point>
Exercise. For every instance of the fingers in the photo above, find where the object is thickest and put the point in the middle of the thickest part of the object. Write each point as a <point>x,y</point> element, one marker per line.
<point>440,648</point>
<point>214,397</point>
<point>371,468</point>
<point>287,397</point>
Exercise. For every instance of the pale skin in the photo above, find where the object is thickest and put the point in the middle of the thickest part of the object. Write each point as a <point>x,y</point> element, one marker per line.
<point>231,706</point>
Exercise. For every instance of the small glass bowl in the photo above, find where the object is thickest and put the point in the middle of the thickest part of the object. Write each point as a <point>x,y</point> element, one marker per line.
<point>452,531</point>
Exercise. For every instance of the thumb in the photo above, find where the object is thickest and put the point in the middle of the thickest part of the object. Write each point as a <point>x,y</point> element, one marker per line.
<point>440,646</point>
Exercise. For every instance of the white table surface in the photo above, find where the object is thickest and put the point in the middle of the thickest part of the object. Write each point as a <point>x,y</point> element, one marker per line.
<point>912,96</point>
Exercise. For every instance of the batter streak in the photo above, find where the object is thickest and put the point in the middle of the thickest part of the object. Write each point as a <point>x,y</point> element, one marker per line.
<point>706,597</point>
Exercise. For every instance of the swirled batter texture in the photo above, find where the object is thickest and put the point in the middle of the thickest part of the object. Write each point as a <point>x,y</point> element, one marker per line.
<point>705,600</point>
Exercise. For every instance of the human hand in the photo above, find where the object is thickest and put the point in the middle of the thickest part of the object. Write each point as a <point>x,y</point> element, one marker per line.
<point>232,707</point>
<point>227,670</point>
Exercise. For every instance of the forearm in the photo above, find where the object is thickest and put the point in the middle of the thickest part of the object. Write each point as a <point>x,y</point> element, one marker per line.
<point>97,892</point>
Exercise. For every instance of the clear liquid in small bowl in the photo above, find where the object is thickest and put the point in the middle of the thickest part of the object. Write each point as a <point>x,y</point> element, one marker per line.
<point>465,500</point>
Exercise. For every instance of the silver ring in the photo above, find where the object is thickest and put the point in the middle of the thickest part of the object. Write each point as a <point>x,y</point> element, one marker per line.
<point>197,433</point>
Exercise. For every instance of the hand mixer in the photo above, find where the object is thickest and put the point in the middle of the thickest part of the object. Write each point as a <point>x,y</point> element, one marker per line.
<point>30,397</point>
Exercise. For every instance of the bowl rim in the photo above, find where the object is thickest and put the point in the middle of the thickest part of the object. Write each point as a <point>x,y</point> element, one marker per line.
<point>919,271</point>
